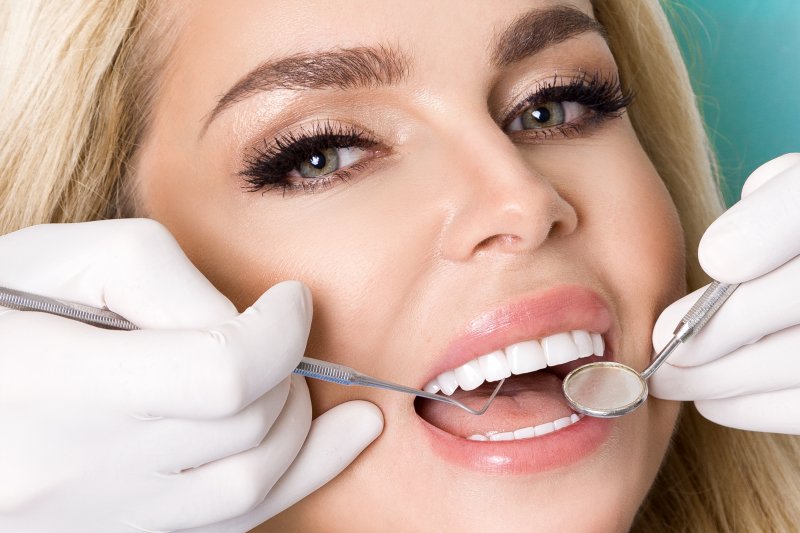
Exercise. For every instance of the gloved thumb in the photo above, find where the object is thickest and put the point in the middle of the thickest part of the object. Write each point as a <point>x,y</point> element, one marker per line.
<point>769,170</point>
<point>760,232</point>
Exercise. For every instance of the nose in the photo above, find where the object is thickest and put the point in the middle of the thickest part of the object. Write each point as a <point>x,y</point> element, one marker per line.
<point>501,204</point>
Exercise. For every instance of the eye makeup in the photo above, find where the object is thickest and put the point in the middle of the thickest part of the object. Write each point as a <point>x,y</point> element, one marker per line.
<point>277,165</point>
<point>280,164</point>
<point>602,97</point>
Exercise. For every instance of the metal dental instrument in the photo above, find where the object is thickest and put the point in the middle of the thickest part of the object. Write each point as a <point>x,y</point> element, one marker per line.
<point>607,389</point>
<point>308,367</point>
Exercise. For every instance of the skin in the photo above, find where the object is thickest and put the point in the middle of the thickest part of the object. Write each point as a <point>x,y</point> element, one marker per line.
<point>455,218</point>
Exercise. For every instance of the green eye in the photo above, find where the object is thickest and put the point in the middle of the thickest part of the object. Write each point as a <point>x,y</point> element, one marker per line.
<point>319,163</point>
<point>544,115</point>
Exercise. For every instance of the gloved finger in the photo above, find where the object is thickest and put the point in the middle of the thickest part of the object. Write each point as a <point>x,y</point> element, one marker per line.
<point>774,412</point>
<point>758,234</point>
<point>217,372</point>
<point>235,485</point>
<point>150,373</point>
<point>181,444</point>
<point>770,364</point>
<point>757,308</point>
<point>336,438</point>
<point>132,266</point>
<point>35,359</point>
<point>769,170</point>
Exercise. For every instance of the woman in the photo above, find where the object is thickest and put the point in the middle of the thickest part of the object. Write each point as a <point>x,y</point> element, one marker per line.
<point>456,184</point>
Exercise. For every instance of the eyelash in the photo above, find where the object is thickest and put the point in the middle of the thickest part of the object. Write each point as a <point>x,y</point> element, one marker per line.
<point>268,167</point>
<point>603,97</point>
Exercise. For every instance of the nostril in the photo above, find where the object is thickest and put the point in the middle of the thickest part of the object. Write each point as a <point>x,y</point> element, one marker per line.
<point>503,242</point>
<point>556,229</point>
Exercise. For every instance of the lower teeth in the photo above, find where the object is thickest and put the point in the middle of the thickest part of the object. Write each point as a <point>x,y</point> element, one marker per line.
<point>528,432</point>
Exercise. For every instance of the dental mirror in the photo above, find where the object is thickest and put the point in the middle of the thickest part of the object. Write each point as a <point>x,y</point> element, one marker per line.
<point>609,389</point>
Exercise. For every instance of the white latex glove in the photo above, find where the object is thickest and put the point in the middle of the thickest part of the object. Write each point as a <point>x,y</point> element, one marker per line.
<point>743,369</point>
<point>193,423</point>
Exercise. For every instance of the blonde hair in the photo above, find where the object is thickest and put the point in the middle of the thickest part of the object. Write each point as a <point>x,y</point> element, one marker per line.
<point>713,478</point>
<point>77,82</point>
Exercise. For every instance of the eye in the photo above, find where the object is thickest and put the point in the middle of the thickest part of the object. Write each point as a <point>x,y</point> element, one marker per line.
<point>309,159</point>
<point>327,160</point>
<point>546,115</point>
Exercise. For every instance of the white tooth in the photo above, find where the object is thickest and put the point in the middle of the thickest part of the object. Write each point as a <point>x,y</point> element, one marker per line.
<point>524,433</point>
<point>597,344</point>
<point>543,429</point>
<point>584,342</point>
<point>478,437</point>
<point>494,366</point>
<point>447,381</point>
<point>559,348</point>
<point>525,357</point>
<point>432,387</point>
<point>505,435</point>
<point>562,422</point>
<point>469,375</point>
<point>574,417</point>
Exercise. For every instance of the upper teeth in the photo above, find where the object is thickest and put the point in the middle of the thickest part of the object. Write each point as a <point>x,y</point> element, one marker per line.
<point>519,358</point>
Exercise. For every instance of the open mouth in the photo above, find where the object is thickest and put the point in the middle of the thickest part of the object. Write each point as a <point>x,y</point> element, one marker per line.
<point>529,405</point>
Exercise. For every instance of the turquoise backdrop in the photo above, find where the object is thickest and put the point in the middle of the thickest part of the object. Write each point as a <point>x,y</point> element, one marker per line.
<point>744,59</point>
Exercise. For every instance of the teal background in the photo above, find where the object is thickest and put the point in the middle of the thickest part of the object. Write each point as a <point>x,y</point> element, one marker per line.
<point>744,60</point>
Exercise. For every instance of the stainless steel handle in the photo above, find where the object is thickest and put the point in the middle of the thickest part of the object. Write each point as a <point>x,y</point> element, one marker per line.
<point>693,321</point>
<point>702,311</point>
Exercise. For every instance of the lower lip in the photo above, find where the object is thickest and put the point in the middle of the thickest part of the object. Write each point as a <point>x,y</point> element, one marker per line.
<point>558,449</point>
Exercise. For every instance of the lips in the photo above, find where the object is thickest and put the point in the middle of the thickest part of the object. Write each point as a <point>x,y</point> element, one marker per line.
<point>533,343</point>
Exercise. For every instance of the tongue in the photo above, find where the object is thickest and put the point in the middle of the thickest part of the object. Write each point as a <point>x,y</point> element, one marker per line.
<point>523,401</point>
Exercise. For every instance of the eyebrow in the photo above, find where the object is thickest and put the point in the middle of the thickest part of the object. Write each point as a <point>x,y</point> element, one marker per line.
<point>372,66</point>
<point>538,29</point>
<point>345,68</point>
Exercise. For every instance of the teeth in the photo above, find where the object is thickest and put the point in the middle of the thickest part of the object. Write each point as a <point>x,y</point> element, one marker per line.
<point>432,387</point>
<point>494,366</point>
<point>506,435</point>
<point>562,422</point>
<point>525,357</point>
<point>524,433</point>
<point>520,358</point>
<point>447,382</point>
<point>528,432</point>
<point>597,343</point>
<point>559,348</point>
<point>583,341</point>
<point>469,376</point>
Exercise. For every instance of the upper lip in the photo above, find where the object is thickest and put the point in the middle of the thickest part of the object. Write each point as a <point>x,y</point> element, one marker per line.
<point>551,311</point>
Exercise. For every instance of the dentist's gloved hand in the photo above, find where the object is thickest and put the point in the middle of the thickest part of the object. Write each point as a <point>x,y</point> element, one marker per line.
<point>192,424</point>
<point>743,369</point>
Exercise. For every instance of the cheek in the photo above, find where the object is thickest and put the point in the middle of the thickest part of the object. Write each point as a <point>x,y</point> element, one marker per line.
<point>642,220</point>
<point>631,227</point>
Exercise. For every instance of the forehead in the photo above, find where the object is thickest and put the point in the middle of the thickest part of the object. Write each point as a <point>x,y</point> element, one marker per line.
<point>222,40</point>
<point>289,24</point>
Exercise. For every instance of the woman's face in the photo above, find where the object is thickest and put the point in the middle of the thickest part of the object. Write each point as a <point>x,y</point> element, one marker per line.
<point>450,179</point>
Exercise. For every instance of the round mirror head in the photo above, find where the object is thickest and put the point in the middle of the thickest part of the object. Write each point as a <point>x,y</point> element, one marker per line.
<point>604,389</point>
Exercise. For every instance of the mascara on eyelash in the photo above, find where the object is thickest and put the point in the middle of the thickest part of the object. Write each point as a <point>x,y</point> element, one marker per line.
<point>602,94</point>
<point>267,168</point>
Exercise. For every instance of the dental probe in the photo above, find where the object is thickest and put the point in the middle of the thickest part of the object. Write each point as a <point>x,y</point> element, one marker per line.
<point>608,389</point>
<point>308,367</point>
